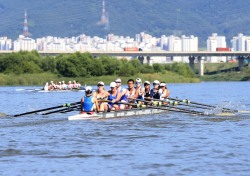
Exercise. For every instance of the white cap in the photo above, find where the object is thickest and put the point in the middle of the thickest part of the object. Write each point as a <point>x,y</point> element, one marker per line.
<point>88,88</point>
<point>118,80</point>
<point>163,84</point>
<point>59,82</point>
<point>138,80</point>
<point>156,82</point>
<point>100,83</point>
<point>146,82</point>
<point>113,84</point>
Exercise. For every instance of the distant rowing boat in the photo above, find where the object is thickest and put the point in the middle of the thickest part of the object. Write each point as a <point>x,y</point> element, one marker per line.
<point>116,114</point>
<point>60,90</point>
<point>82,89</point>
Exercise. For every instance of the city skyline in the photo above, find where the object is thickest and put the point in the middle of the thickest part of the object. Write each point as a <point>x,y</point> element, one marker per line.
<point>65,19</point>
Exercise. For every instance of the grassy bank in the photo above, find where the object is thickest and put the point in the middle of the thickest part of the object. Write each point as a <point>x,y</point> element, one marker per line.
<point>41,78</point>
<point>225,72</point>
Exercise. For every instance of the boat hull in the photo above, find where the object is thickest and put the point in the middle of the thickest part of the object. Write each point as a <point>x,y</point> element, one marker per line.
<point>116,114</point>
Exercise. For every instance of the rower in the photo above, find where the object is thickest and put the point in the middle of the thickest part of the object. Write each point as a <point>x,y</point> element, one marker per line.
<point>52,85</point>
<point>46,87</point>
<point>64,86</point>
<point>88,102</point>
<point>130,93</point>
<point>118,82</point>
<point>74,85</point>
<point>78,85</point>
<point>101,94</point>
<point>113,97</point>
<point>139,88</point>
<point>165,92</point>
<point>155,92</point>
<point>146,91</point>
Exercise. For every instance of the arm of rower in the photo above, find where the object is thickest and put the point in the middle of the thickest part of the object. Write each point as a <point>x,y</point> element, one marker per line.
<point>96,104</point>
<point>168,93</point>
<point>136,94</point>
<point>118,97</point>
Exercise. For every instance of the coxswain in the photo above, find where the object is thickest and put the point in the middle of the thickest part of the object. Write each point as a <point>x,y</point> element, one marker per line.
<point>113,98</point>
<point>165,91</point>
<point>88,102</point>
<point>101,94</point>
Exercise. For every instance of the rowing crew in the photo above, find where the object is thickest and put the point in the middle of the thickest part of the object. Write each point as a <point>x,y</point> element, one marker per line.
<point>118,98</point>
<point>61,86</point>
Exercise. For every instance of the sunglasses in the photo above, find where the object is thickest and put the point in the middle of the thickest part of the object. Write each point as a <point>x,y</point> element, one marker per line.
<point>117,82</point>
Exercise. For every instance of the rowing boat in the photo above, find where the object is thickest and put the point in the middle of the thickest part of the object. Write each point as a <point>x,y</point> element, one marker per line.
<point>116,114</point>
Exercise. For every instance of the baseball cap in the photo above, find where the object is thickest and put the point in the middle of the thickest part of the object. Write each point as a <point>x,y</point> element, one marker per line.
<point>163,84</point>
<point>88,88</point>
<point>113,84</point>
<point>146,82</point>
<point>138,80</point>
<point>100,83</point>
<point>118,80</point>
<point>156,82</point>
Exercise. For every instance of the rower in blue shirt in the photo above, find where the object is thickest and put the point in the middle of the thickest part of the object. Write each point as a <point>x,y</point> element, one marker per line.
<point>88,102</point>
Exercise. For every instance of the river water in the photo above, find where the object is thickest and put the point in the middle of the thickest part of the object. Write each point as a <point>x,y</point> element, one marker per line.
<point>163,144</point>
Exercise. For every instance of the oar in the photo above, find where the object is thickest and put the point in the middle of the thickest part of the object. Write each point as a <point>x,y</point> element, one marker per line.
<point>163,108</point>
<point>175,103</point>
<point>171,108</point>
<point>201,104</point>
<point>46,109</point>
<point>68,109</point>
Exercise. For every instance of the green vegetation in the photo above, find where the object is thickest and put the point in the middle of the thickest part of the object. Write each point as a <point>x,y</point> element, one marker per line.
<point>159,17</point>
<point>225,72</point>
<point>30,68</point>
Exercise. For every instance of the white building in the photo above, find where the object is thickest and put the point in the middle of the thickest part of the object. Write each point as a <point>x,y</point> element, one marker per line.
<point>241,43</point>
<point>214,42</point>
<point>189,43</point>
<point>24,44</point>
<point>5,43</point>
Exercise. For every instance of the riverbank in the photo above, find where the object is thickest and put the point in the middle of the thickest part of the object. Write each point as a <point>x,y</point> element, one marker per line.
<point>39,79</point>
<point>225,72</point>
<point>213,72</point>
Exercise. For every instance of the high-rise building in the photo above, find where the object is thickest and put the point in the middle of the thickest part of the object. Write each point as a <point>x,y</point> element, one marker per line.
<point>214,42</point>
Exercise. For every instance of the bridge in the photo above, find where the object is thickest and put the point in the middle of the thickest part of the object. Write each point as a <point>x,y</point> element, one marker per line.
<point>192,55</point>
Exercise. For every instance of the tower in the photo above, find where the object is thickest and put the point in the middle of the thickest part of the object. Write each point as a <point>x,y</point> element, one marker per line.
<point>104,18</point>
<point>25,25</point>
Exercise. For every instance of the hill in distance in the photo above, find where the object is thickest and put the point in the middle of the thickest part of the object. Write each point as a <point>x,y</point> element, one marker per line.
<point>66,18</point>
